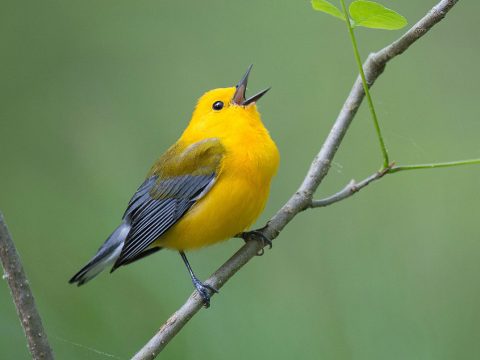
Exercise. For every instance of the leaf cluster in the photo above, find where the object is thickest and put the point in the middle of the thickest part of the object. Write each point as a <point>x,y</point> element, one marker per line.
<point>364,13</point>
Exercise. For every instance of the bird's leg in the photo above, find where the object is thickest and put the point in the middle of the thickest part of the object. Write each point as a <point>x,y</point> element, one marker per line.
<point>256,235</point>
<point>204,290</point>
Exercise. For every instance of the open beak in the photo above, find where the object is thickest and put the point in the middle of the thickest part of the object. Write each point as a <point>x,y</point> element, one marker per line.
<point>239,96</point>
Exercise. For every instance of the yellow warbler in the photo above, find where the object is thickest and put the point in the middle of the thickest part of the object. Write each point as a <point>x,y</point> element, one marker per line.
<point>209,186</point>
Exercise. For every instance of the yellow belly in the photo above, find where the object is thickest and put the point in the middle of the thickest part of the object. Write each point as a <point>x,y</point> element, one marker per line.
<point>229,208</point>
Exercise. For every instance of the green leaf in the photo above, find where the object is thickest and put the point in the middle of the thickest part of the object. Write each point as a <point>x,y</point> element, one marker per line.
<point>326,7</point>
<point>376,16</point>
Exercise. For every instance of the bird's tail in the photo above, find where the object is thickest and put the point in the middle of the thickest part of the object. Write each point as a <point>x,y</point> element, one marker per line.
<point>106,255</point>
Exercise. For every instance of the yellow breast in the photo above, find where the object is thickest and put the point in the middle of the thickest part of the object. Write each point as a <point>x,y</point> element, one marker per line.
<point>236,199</point>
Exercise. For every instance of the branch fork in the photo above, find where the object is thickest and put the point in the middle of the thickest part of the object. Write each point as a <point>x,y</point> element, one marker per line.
<point>351,188</point>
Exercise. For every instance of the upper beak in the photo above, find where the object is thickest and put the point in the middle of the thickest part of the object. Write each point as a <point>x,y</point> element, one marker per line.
<point>239,96</point>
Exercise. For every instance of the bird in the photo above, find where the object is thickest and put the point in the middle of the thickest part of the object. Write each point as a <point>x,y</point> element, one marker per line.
<point>209,186</point>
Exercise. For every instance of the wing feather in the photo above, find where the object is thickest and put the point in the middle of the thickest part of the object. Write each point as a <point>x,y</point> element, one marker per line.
<point>164,197</point>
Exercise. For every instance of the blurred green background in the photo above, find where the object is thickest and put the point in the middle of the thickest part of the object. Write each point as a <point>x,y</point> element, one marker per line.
<point>92,93</point>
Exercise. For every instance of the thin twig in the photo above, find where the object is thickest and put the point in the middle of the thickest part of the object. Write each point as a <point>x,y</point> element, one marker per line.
<point>351,188</point>
<point>22,296</point>
<point>398,168</point>
<point>373,67</point>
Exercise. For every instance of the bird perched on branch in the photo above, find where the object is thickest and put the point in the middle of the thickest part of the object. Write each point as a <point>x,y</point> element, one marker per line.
<point>207,187</point>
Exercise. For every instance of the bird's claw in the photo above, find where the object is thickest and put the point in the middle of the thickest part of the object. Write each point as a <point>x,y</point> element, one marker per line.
<point>205,291</point>
<point>256,235</point>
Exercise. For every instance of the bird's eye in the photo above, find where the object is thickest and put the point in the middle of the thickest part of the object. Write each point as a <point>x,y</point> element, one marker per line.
<point>217,105</point>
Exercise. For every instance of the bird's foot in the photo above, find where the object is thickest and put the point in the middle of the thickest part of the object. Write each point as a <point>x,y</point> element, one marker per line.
<point>256,235</point>
<point>205,291</point>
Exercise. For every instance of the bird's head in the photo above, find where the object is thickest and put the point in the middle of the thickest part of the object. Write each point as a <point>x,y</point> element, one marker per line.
<point>227,108</point>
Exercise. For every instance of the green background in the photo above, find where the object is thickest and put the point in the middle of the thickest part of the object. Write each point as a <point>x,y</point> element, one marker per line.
<point>91,94</point>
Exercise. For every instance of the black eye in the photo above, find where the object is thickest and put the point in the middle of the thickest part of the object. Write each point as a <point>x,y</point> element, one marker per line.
<point>217,105</point>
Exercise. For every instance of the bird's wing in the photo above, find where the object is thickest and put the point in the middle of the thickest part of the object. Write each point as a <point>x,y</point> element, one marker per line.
<point>178,179</point>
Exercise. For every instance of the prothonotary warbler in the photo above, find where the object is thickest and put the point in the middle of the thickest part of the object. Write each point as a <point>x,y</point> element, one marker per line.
<point>209,186</point>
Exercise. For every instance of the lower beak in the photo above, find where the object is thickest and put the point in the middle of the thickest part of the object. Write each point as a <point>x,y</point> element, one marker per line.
<point>239,96</point>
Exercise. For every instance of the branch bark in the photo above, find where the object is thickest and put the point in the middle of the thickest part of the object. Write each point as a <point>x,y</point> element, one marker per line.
<point>302,198</point>
<point>22,296</point>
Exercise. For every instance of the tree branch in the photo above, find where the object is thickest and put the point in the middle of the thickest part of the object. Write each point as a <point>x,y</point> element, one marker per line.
<point>302,199</point>
<point>22,296</point>
<point>351,188</point>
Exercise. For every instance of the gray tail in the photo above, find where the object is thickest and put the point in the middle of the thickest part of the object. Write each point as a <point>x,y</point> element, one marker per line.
<point>106,255</point>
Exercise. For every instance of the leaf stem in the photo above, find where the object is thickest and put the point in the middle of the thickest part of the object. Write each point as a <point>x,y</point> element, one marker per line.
<point>365,86</point>
<point>434,166</point>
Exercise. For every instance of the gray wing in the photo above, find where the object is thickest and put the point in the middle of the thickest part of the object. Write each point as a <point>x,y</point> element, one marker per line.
<point>155,207</point>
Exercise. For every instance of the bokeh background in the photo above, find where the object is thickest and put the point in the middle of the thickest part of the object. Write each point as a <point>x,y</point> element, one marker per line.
<point>93,92</point>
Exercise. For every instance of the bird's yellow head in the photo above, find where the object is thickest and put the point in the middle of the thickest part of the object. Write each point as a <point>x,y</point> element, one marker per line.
<point>226,111</point>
